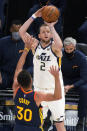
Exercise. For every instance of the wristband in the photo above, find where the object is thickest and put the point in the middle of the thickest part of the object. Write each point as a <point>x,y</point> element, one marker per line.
<point>59,62</point>
<point>33,17</point>
<point>26,49</point>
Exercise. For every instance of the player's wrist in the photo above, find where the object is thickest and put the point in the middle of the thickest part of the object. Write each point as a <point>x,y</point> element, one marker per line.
<point>26,49</point>
<point>33,16</point>
<point>51,28</point>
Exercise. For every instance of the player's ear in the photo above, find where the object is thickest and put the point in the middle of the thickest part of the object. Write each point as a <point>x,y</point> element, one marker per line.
<point>39,36</point>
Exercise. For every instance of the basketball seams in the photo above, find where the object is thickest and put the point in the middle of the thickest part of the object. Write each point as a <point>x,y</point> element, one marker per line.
<point>50,14</point>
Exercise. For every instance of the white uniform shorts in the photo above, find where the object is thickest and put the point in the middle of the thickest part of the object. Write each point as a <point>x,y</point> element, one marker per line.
<point>57,108</point>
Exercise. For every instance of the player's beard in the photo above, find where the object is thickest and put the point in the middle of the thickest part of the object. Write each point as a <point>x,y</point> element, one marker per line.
<point>46,42</point>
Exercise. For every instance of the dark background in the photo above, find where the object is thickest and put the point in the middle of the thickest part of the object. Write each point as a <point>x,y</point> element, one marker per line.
<point>74,16</point>
<point>75,13</point>
<point>17,9</point>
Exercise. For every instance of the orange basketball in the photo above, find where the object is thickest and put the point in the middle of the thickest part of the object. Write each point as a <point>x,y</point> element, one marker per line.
<point>50,14</point>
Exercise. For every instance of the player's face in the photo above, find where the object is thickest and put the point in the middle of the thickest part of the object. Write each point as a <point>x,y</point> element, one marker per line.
<point>45,34</point>
<point>69,48</point>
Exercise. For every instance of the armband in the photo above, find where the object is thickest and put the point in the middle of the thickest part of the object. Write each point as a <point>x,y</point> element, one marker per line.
<point>33,17</point>
<point>26,49</point>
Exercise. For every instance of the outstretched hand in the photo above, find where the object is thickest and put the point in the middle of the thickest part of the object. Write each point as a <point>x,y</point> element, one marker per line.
<point>30,42</point>
<point>54,71</point>
<point>38,13</point>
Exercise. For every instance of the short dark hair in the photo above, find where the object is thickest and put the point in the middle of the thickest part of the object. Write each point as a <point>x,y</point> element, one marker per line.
<point>24,78</point>
<point>42,25</point>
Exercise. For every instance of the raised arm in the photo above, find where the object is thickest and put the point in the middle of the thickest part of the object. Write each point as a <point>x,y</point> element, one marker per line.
<point>18,69</point>
<point>56,38</point>
<point>23,30</point>
<point>21,63</point>
<point>57,92</point>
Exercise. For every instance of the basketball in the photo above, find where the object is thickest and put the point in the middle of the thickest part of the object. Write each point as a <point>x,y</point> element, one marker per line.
<point>50,13</point>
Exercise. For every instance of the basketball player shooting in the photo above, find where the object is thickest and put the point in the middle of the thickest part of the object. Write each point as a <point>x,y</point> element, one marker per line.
<point>47,52</point>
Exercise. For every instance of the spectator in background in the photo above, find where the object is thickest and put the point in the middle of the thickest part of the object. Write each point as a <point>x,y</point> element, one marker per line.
<point>60,4</point>
<point>74,69</point>
<point>3,4</point>
<point>11,48</point>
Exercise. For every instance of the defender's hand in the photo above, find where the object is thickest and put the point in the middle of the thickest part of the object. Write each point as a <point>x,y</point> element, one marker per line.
<point>54,71</point>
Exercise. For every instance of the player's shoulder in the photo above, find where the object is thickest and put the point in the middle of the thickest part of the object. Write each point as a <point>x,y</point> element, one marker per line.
<point>56,51</point>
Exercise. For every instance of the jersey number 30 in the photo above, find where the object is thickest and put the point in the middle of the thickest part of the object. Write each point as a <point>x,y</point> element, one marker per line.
<point>24,114</point>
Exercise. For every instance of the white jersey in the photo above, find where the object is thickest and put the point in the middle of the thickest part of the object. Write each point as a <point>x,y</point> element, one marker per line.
<point>44,58</point>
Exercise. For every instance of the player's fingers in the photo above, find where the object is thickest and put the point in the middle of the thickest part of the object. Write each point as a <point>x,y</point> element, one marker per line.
<point>55,22</point>
<point>41,9</point>
<point>51,69</point>
<point>46,23</point>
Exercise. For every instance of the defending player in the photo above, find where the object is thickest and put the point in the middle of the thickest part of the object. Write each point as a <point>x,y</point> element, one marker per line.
<point>47,52</point>
<point>27,102</point>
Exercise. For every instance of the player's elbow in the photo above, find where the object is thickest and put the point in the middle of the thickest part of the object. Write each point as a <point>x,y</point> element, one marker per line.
<point>60,46</point>
<point>58,97</point>
<point>21,32</point>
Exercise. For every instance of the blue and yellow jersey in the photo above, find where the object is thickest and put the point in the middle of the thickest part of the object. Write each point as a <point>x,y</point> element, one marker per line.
<point>26,111</point>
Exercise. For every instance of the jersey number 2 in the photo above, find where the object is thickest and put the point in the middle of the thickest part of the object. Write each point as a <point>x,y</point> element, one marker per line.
<point>42,67</point>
